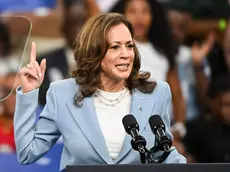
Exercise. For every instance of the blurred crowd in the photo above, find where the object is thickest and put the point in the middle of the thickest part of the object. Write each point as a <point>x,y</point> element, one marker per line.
<point>177,43</point>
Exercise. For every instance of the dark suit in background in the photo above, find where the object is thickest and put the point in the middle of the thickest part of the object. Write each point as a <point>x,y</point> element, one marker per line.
<point>56,69</point>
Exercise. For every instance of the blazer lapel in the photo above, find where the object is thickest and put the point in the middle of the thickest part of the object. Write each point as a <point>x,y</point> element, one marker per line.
<point>141,109</point>
<point>86,119</point>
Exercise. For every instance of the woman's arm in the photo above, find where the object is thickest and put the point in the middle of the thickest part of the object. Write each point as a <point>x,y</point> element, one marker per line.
<point>34,140</point>
<point>199,53</point>
<point>179,107</point>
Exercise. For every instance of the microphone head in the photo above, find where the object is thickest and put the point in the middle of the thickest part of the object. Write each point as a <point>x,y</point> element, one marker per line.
<point>130,122</point>
<point>155,122</point>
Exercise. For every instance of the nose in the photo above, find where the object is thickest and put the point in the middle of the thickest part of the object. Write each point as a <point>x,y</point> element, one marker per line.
<point>125,52</point>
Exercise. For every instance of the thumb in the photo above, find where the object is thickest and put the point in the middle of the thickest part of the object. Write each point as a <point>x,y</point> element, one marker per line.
<point>43,66</point>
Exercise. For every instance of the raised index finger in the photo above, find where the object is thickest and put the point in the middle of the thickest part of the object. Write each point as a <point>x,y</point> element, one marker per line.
<point>33,52</point>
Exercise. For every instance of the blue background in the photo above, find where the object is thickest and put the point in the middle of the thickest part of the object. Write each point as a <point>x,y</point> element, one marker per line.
<point>25,5</point>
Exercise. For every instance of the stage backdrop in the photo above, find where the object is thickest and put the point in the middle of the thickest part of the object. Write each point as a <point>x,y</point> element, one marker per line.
<point>25,5</point>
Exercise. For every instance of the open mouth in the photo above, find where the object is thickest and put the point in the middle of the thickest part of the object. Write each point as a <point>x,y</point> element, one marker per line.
<point>122,66</point>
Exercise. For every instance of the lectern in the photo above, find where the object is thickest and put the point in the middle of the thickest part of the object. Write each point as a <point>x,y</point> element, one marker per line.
<point>151,168</point>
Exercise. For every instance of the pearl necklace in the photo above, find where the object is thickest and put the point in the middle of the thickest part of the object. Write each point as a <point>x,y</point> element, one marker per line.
<point>111,102</point>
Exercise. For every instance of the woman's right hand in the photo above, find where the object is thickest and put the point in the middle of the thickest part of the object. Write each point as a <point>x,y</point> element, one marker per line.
<point>32,74</point>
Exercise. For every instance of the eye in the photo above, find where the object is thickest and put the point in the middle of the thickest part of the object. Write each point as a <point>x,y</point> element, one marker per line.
<point>115,47</point>
<point>130,46</point>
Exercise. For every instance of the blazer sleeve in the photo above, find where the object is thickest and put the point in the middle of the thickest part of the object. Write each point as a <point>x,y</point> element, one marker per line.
<point>32,139</point>
<point>174,156</point>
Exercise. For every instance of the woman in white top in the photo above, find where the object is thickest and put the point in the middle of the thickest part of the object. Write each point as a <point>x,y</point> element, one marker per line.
<point>153,37</point>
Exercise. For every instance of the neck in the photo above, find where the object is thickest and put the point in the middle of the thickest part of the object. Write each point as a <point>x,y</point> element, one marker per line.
<point>109,85</point>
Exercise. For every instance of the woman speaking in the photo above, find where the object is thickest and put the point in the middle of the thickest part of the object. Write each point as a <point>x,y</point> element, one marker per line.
<point>87,109</point>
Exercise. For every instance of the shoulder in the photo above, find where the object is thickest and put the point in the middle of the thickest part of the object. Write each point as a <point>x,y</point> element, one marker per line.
<point>64,88</point>
<point>161,91</point>
<point>160,98</point>
<point>161,87</point>
<point>65,84</point>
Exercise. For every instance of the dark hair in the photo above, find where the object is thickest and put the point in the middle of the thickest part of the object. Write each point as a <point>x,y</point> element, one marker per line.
<point>91,46</point>
<point>217,61</point>
<point>219,85</point>
<point>160,33</point>
<point>5,38</point>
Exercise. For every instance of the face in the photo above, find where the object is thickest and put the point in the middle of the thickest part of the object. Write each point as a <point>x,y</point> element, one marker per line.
<point>179,22</point>
<point>118,61</point>
<point>224,106</point>
<point>75,17</point>
<point>138,12</point>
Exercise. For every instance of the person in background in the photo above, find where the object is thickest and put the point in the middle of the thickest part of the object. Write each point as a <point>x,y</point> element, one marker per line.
<point>5,49</point>
<point>61,61</point>
<point>207,137</point>
<point>219,57</point>
<point>88,109</point>
<point>5,45</point>
<point>105,5</point>
<point>8,63</point>
<point>226,45</point>
<point>154,39</point>
<point>7,144</point>
<point>194,70</point>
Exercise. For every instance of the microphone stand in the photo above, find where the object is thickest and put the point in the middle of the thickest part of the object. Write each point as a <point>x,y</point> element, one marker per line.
<point>163,144</point>
<point>143,158</point>
<point>147,156</point>
<point>150,155</point>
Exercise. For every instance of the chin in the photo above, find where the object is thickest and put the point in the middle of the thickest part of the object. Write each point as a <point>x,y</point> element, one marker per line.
<point>123,76</point>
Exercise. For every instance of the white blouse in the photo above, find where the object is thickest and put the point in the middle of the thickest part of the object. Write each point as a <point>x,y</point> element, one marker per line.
<point>110,120</point>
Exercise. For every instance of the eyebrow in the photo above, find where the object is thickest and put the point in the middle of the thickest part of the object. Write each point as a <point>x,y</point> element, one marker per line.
<point>118,42</point>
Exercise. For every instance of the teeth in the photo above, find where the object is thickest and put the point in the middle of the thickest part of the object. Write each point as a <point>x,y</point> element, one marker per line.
<point>123,65</point>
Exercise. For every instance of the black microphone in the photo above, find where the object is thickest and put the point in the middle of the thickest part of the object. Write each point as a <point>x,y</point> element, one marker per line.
<point>132,128</point>
<point>158,128</point>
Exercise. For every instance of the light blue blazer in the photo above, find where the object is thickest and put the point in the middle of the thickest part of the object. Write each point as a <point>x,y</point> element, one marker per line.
<point>83,139</point>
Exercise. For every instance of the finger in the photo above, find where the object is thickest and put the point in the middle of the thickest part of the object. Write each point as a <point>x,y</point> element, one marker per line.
<point>43,66</point>
<point>37,67</point>
<point>31,67</point>
<point>33,52</point>
<point>26,71</point>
